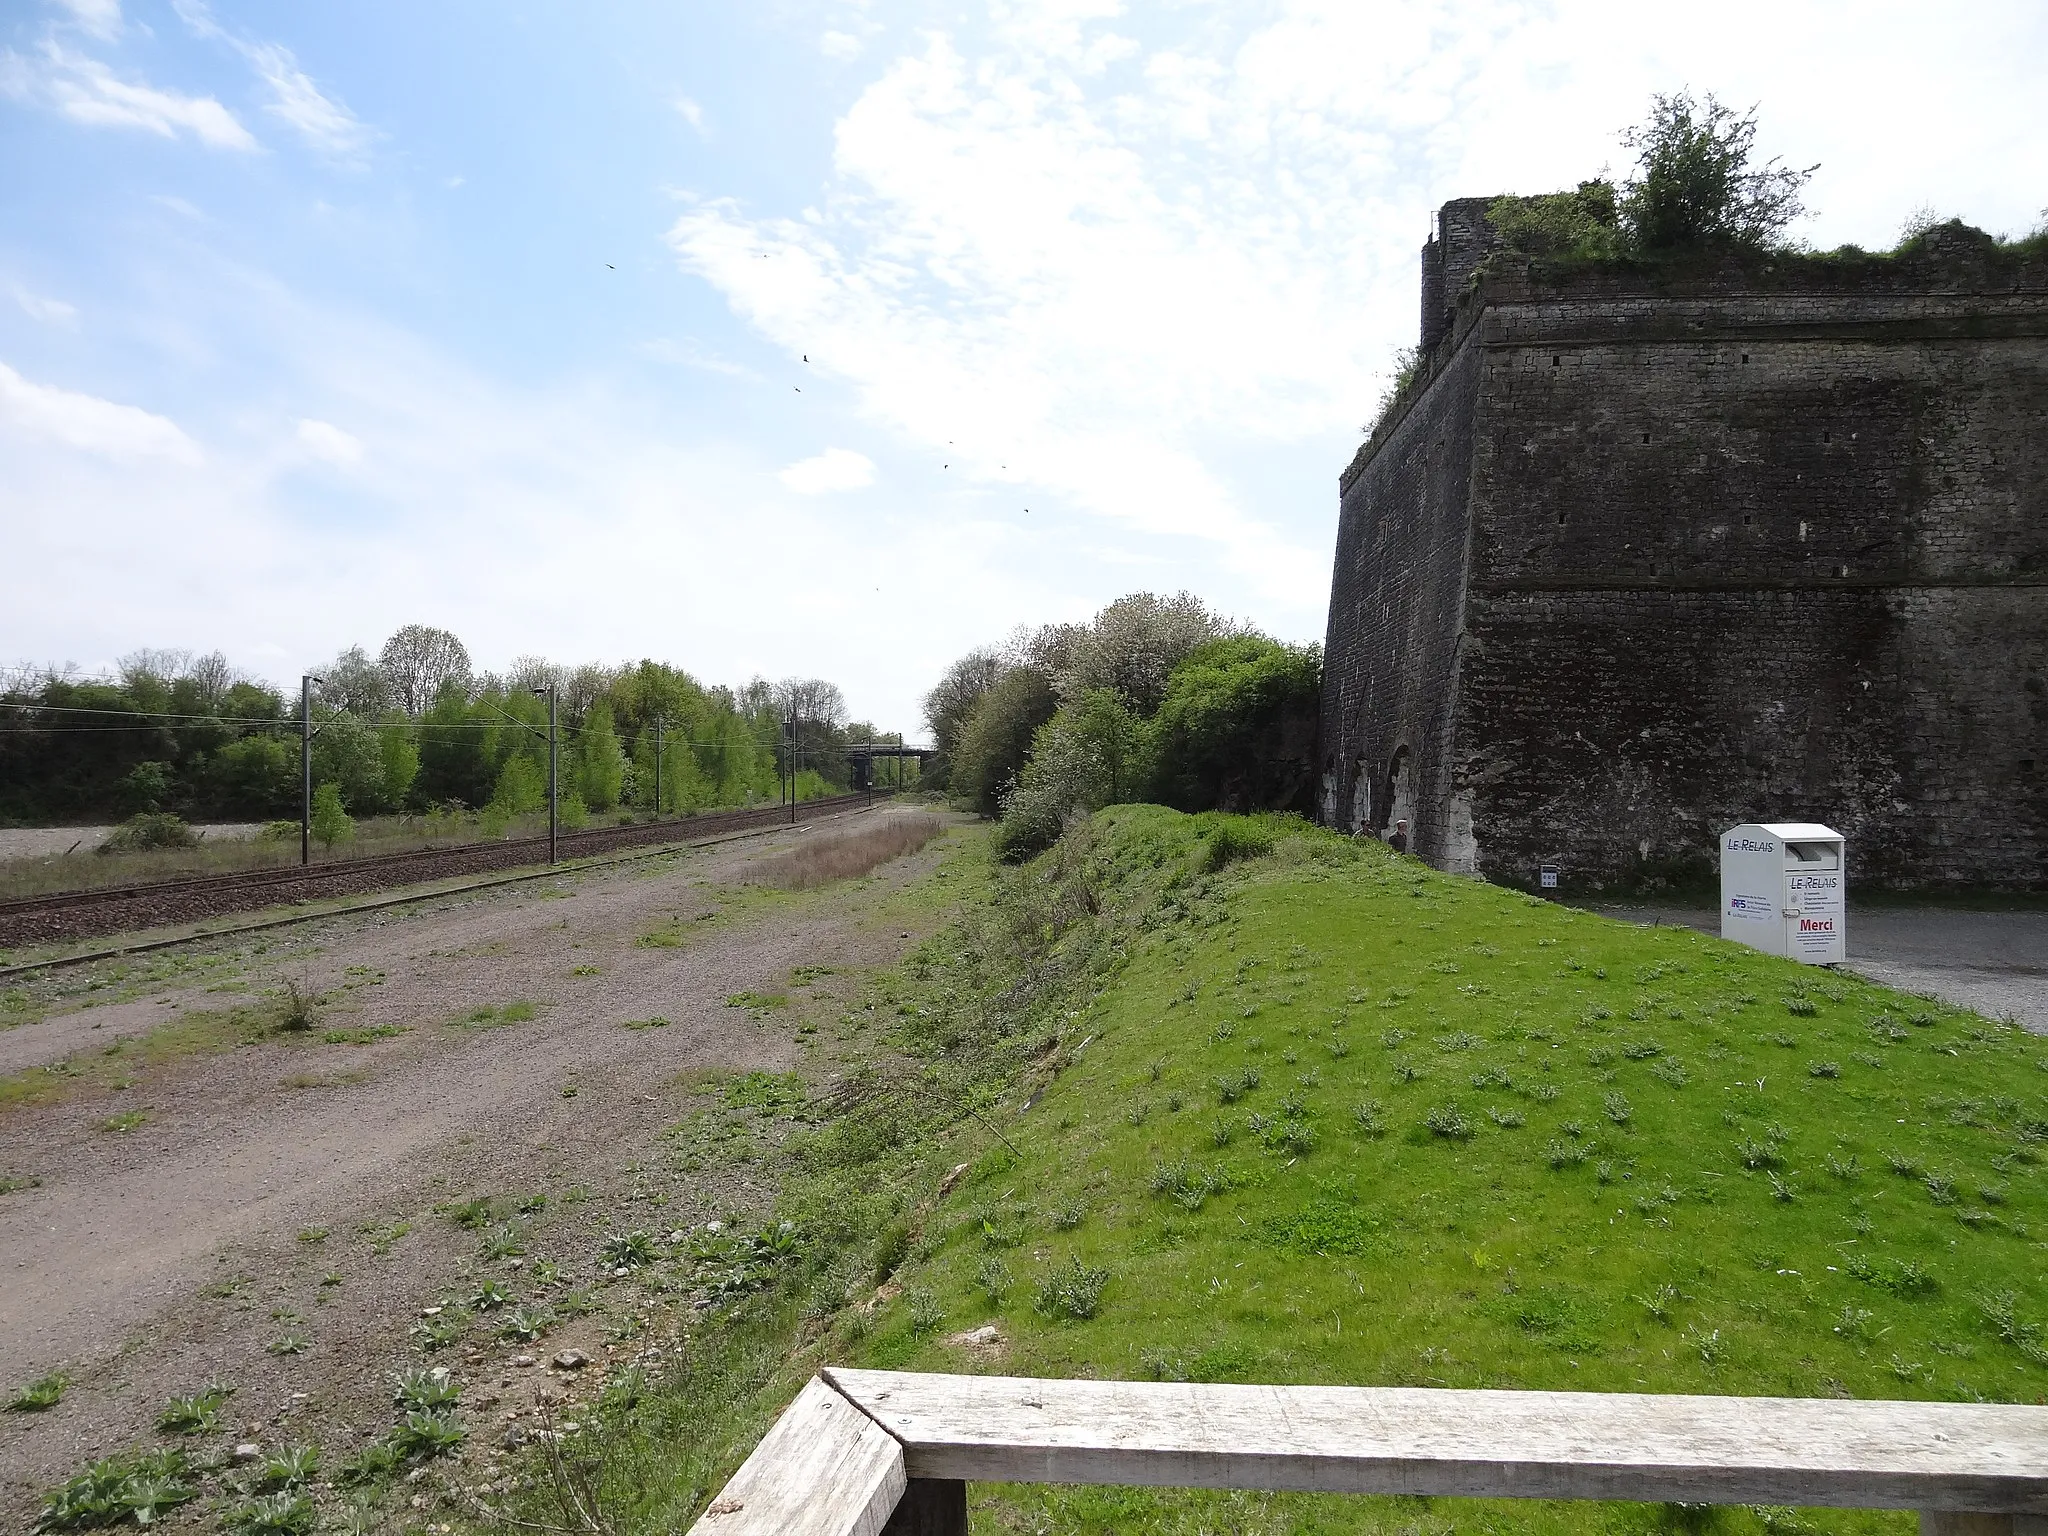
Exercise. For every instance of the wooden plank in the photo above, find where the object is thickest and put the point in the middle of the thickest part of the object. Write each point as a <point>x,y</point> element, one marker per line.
<point>825,1469</point>
<point>1539,1445</point>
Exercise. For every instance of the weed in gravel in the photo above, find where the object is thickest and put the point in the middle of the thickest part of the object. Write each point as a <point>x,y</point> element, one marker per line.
<point>442,1326</point>
<point>290,1342</point>
<point>312,1235</point>
<point>133,1488</point>
<point>627,1250</point>
<point>427,1391</point>
<point>525,1324</point>
<point>293,1466</point>
<point>507,1242</point>
<point>469,1213</point>
<point>197,1413</point>
<point>274,1514</point>
<point>43,1392</point>
<point>656,1022</point>
<point>295,1010</point>
<point>491,1295</point>
<point>422,1436</point>
<point>126,1121</point>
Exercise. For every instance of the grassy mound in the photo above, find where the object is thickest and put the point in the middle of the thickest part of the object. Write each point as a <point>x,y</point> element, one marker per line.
<point>1319,1114</point>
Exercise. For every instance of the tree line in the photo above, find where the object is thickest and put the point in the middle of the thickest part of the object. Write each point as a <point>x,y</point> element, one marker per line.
<point>414,728</point>
<point>1155,698</point>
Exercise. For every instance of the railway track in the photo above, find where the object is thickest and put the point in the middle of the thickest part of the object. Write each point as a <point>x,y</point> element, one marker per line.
<point>67,915</point>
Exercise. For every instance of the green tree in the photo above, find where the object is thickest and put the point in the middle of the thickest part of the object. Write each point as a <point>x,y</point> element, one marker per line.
<point>1237,728</point>
<point>993,748</point>
<point>953,699</point>
<point>147,786</point>
<point>258,774</point>
<point>600,765</point>
<point>1694,184</point>
<point>401,763</point>
<point>522,786</point>
<point>331,822</point>
<point>347,752</point>
<point>1093,752</point>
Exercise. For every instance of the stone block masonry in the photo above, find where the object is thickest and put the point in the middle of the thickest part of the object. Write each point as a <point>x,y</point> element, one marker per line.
<point>1654,551</point>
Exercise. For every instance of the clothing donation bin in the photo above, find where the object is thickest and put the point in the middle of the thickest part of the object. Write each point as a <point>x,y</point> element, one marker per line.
<point>1783,890</point>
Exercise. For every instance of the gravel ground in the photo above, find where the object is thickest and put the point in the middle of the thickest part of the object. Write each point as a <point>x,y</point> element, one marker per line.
<point>148,1262</point>
<point>1994,962</point>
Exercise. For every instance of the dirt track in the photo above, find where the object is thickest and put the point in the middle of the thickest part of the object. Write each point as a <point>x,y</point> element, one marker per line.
<point>150,1261</point>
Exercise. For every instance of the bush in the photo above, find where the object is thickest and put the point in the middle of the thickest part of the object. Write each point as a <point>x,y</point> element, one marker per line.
<point>1235,838</point>
<point>1236,730</point>
<point>150,831</point>
<point>1693,184</point>
<point>1094,752</point>
<point>331,822</point>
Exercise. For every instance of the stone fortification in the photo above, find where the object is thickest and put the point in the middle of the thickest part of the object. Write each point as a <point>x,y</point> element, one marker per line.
<point>1649,552</point>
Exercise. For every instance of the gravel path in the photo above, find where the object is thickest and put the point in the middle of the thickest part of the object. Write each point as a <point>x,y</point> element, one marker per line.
<point>148,1262</point>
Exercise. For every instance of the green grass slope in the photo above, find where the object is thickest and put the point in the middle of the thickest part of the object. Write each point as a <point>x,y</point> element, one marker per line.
<point>1332,1117</point>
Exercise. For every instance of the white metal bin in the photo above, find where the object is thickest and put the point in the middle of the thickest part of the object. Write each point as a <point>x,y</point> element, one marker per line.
<point>1784,887</point>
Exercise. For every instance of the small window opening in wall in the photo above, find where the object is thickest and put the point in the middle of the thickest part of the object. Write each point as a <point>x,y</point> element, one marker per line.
<point>1827,437</point>
<point>1745,357</point>
<point>1646,437</point>
<point>1747,519</point>
<point>1555,361</point>
<point>2026,765</point>
<point>1560,519</point>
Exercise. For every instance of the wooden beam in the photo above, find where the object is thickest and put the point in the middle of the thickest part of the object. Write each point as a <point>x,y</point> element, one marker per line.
<point>825,1469</point>
<point>1541,1445</point>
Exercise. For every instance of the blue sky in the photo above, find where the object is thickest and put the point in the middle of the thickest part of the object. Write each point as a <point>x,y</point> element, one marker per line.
<point>824,339</point>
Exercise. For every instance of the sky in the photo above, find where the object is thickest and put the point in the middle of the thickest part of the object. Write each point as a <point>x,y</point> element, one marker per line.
<point>826,340</point>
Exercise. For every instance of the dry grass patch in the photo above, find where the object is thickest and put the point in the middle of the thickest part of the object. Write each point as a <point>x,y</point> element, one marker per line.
<point>850,853</point>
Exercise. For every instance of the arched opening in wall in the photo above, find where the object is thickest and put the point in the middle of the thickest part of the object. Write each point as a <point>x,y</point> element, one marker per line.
<point>1398,803</point>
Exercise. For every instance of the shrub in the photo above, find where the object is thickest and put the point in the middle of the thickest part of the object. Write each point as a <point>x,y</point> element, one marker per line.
<point>1450,1122</point>
<point>148,832</point>
<point>331,822</point>
<point>1236,729</point>
<point>1693,184</point>
<point>1070,1291</point>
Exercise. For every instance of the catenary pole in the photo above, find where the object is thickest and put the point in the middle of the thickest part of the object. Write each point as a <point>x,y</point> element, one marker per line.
<point>554,782</point>
<point>305,768</point>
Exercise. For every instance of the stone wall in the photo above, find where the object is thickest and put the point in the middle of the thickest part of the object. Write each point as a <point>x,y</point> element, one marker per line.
<point>1651,554</point>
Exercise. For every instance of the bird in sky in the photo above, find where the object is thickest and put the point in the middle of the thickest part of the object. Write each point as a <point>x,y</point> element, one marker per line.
<point>609,267</point>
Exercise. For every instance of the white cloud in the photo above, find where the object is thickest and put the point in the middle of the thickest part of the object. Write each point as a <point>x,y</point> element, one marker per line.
<point>323,440</point>
<point>690,112</point>
<point>836,469</point>
<point>99,426</point>
<point>294,99</point>
<point>101,18</point>
<point>87,91</point>
<point>839,45</point>
<point>49,311</point>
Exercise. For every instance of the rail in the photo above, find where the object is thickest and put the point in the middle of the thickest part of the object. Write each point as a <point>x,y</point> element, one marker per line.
<point>889,1453</point>
<point>602,838</point>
